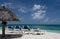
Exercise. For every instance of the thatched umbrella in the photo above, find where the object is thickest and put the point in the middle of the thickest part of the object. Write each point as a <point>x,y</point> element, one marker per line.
<point>6,15</point>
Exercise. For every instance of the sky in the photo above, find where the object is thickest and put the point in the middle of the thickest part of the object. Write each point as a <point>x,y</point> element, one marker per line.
<point>34,11</point>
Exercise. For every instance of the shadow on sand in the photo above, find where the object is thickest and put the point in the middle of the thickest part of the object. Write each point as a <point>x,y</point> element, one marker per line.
<point>10,36</point>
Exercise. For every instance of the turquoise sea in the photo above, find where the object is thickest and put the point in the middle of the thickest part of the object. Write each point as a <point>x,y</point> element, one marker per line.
<point>47,27</point>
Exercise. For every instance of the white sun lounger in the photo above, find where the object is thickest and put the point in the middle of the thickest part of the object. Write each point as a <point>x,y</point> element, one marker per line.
<point>17,30</point>
<point>10,29</point>
<point>36,32</point>
<point>25,31</point>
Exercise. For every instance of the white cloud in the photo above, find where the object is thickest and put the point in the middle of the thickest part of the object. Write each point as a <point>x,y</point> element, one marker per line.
<point>6,4</point>
<point>14,6</point>
<point>22,9</point>
<point>38,13</point>
<point>10,5</point>
<point>46,20</point>
<point>36,7</point>
<point>51,21</point>
<point>21,18</point>
<point>55,20</point>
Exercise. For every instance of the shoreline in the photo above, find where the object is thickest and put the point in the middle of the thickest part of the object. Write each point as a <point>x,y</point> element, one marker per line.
<point>52,31</point>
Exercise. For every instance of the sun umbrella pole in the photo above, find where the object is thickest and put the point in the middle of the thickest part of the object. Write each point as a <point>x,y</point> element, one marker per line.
<point>3,28</point>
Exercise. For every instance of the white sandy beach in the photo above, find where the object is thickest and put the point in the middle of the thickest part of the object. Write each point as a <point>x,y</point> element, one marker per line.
<point>47,35</point>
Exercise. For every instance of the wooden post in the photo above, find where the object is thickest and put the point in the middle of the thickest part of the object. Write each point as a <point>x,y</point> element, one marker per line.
<point>3,28</point>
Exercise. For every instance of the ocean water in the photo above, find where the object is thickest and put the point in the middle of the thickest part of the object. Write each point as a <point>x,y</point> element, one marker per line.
<point>47,27</point>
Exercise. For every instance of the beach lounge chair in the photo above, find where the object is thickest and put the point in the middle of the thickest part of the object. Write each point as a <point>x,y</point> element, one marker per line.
<point>25,29</point>
<point>17,30</point>
<point>10,29</point>
<point>37,32</point>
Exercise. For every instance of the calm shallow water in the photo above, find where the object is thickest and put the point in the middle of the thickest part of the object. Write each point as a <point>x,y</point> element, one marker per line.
<point>48,28</point>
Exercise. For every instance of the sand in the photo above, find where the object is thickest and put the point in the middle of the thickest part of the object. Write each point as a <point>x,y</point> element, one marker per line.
<point>47,35</point>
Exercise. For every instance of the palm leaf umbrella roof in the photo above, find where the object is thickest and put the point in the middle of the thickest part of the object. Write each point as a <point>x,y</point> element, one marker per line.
<point>6,14</point>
